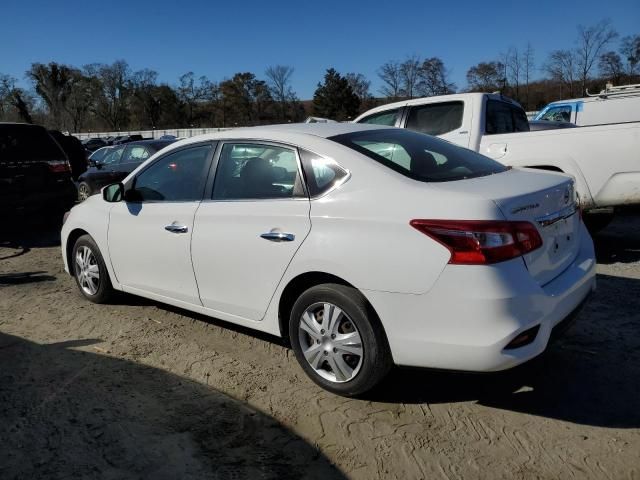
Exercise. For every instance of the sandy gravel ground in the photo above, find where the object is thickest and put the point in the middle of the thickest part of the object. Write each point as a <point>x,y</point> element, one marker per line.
<point>140,390</point>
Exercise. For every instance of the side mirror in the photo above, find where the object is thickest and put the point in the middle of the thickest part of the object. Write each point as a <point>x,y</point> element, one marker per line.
<point>113,193</point>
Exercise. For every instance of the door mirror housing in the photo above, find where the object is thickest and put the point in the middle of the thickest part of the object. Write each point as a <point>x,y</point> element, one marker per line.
<point>113,193</point>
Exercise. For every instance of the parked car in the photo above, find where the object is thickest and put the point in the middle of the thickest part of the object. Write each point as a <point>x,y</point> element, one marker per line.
<point>116,164</point>
<point>92,144</point>
<point>35,175</point>
<point>497,126</point>
<point>391,247</point>
<point>612,105</point>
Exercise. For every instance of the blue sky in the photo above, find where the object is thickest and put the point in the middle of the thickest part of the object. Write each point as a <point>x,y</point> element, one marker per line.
<point>218,39</point>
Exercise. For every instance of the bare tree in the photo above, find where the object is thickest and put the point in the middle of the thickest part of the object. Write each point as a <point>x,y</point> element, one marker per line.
<point>391,77</point>
<point>410,76</point>
<point>528,66</point>
<point>610,66</point>
<point>434,78</point>
<point>486,77</point>
<point>53,83</point>
<point>562,66</point>
<point>630,50</point>
<point>360,86</point>
<point>14,102</point>
<point>591,41</point>
<point>279,81</point>
<point>514,66</point>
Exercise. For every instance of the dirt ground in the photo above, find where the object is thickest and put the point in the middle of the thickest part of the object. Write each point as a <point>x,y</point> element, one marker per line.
<point>141,390</point>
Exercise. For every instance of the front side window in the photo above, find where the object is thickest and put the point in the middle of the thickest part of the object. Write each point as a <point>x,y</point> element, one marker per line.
<point>561,113</point>
<point>436,118</point>
<point>503,117</point>
<point>179,176</point>
<point>388,118</point>
<point>419,156</point>
<point>248,171</point>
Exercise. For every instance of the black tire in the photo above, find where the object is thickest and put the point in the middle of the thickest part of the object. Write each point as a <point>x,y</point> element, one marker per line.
<point>376,358</point>
<point>84,191</point>
<point>104,291</point>
<point>597,221</point>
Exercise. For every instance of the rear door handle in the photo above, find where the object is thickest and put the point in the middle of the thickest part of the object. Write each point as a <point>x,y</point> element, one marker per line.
<point>175,228</point>
<point>278,236</point>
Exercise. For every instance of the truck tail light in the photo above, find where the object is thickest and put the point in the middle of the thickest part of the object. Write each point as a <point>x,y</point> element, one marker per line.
<point>481,242</point>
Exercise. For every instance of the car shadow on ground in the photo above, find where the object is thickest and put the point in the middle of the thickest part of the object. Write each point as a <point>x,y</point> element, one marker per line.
<point>24,277</point>
<point>589,376</point>
<point>620,241</point>
<point>71,413</point>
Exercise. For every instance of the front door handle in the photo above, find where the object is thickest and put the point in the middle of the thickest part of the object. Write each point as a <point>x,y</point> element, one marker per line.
<point>278,236</point>
<point>175,228</point>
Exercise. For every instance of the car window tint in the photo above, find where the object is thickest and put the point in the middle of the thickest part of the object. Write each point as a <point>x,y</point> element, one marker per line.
<point>135,153</point>
<point>504,118</point>
<point>113,156</point>
<point>418,156</point>
<point>388,117</point>
<point>179,176</point>
<point>253,171</point>
<point>436,118</point>
<point>322,174</point>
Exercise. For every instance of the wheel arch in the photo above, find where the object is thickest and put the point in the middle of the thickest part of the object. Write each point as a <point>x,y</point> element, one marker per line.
<point>302,282</point>
<point>73,236</point>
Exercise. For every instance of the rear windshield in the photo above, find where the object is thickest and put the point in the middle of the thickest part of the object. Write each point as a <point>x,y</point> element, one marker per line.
<point>19,143</point>
<point>419,156</point>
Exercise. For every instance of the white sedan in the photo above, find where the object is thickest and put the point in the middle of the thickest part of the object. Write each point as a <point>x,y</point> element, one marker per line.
<point>365,246</point>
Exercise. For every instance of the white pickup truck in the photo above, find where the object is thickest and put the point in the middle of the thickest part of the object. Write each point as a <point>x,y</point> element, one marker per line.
<point>603,159</point>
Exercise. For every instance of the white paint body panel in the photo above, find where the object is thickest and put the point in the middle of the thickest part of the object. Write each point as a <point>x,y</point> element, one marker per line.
<point>434,314</point>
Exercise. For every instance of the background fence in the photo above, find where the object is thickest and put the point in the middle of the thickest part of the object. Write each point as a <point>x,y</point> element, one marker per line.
<point>177,132</point>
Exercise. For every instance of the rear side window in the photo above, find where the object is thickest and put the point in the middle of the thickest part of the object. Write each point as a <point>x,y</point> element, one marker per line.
<point>419,156</point>
<point>387,118</point>
<point>322,174</point>
<point>20,143</point>
<point>436,118</point>
<point>251,171</point>
<point>135,154</point>
<point>505,118</point>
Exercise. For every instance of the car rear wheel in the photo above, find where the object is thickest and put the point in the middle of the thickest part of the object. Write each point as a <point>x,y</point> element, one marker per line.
<point>338,339</point>
<point>90,271</point>
<point>84,191</point>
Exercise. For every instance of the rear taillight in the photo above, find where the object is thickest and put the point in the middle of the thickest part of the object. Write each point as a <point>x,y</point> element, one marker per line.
<point>480,242</point>
<point>59,166</point>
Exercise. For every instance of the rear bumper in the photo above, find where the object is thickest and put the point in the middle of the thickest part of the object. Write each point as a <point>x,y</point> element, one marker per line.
<point>473,312</point>
<point>60,197</point>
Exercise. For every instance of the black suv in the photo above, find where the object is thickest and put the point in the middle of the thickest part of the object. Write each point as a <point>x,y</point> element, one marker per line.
<point>119,162</point>
<point>35,175</point>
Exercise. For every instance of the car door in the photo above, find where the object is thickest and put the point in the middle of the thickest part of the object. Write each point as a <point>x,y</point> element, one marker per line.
<point>250,227</point>
<point>150,231</point>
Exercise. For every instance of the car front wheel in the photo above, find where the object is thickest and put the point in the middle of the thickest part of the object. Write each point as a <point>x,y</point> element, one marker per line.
<point>338,339</point>
<point>90,271</point>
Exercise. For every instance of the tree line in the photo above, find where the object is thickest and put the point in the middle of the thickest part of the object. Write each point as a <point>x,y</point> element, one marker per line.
<point>112,97</point>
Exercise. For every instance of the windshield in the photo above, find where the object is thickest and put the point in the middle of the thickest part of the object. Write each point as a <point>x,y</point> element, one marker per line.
<point>419,156</point>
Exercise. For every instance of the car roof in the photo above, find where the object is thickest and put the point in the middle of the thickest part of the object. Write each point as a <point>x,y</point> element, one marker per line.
<point>283,132</point>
